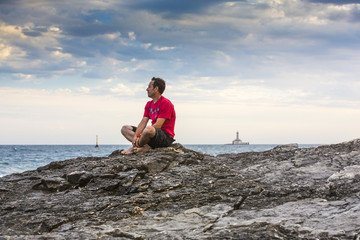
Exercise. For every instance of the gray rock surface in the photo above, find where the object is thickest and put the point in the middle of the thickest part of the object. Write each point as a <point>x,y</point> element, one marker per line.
<point>175,193</point>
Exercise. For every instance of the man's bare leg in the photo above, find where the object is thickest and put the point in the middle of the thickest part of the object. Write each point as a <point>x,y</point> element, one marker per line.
<point>142,146</point>
<point>127,132</point>
<point>148,133</point>
<point>142,149</point>
<point>128,151</point>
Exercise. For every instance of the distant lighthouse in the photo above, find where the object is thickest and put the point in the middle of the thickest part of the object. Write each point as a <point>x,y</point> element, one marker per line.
<point>238,141</point>
<point>97,145</point>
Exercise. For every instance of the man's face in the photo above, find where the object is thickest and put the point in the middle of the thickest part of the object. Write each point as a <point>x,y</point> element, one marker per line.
<point>150,89</point>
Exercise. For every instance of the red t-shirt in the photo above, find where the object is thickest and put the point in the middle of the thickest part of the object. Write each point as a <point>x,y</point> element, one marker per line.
<point>163,108</point>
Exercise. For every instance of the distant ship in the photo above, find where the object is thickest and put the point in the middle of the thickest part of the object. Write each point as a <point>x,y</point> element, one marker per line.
<point>238,141</point>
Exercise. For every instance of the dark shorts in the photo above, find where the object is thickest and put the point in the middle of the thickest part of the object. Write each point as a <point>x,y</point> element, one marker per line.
<point>161,139</point>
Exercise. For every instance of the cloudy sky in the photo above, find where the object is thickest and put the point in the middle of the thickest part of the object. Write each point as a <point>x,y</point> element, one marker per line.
<point>277,71</point>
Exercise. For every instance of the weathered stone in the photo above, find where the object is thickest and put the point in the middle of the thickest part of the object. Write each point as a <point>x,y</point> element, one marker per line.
<point>52,184</point>
<point>286,147</point>
<point>175,193</point>
<point>80,178</point>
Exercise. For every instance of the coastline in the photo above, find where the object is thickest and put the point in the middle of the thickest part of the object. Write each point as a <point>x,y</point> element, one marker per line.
<point>288,192</point>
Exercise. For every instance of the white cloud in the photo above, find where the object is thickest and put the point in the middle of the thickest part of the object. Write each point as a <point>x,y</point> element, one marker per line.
<point>63,91</point>
<point>58,54</point>
<point>43,48</point>
<point>222,58</point>
<point>24,77</point>
<point>163,48</point>
<point>132,36</point>
<point>5,51</point>
<point>84,90</point>
<point>10,53</point>
<point>10,32</point>
<point>112,36</point>
<point>122,90</point>
<point>146,45</point>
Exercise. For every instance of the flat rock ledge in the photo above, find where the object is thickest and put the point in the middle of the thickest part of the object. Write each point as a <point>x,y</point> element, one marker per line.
<point>176,193</point>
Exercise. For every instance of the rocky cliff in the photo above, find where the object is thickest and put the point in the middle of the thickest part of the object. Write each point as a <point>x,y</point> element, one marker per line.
<point>176,193</point>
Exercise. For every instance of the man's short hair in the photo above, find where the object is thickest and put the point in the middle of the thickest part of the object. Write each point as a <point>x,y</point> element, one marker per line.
<point>160,83</point>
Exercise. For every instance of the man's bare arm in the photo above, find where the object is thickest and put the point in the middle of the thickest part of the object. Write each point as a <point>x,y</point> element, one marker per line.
<point>159,122</point>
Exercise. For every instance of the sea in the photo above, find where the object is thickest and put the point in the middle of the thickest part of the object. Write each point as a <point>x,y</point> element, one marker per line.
<point>20,158</point>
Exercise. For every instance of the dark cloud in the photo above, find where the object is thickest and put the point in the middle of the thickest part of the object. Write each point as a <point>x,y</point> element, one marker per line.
<point>174,9</point>
<point>94,22</point>
<point>86,30</point>
<point>35,31</point>
<point>337,2</point>
<point>9,1</point>
<point>352,16</point>
<point>97,16</point>
<point>32,33</point>
<point>355,15</point>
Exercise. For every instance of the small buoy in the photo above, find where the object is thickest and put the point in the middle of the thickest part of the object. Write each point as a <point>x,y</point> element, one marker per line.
<point>97,145</point>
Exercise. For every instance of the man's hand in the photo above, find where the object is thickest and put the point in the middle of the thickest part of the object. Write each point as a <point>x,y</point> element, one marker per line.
<point>135,138</point>
<point>139,130</point>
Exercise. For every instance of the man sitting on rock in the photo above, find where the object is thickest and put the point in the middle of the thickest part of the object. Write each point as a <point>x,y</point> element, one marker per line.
<point>162,114</point>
